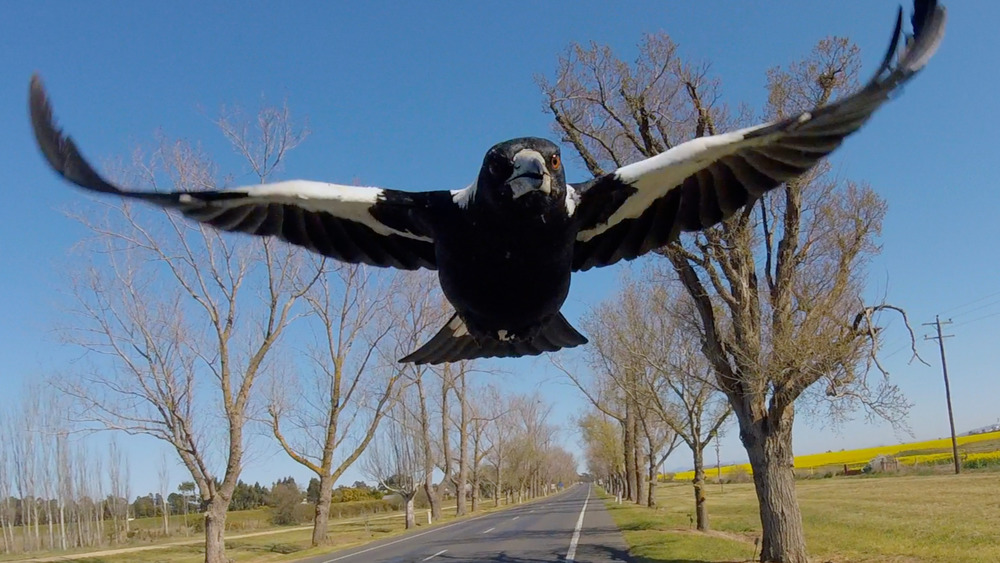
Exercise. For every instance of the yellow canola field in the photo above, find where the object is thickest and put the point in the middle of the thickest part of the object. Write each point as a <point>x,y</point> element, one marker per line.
<point>930,451</point>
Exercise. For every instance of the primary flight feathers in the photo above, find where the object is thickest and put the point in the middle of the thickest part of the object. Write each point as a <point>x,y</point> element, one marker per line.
<point>622,215</point>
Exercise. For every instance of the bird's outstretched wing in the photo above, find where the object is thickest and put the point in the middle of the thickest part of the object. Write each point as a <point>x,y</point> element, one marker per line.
<point>697,184</point>
<point>349,223</point>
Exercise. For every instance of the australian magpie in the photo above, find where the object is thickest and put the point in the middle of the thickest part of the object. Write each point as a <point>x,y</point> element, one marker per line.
<point>506,245</point>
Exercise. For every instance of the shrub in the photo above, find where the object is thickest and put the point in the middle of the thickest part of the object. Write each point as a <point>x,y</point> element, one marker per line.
<point>981,460</point>
<point>738,475</point>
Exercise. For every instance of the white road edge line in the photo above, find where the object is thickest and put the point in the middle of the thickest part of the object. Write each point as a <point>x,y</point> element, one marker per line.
<point>488,531</point>
<point>515,518</point>
<point>435,555</point>
<point>571,552</point>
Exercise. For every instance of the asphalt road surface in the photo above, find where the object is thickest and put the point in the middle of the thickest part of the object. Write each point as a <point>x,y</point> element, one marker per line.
<point>572,526</point>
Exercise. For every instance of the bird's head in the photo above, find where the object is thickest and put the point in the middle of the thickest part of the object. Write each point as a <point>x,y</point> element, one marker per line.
<point>527,170</point>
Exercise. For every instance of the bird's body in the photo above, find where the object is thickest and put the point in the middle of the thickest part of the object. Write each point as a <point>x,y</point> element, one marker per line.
<point>506,271</point>
<point>506,246</point>
<point>505,263</point>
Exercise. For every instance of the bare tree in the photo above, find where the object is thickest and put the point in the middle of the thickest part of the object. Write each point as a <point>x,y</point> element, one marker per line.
<point>417,311</point>
<point>24,463</point>
<point>7,512</point>
<point>336,411</point>
<point>532,438</point>
<point>498,437</point>
<point>486,407</point>
<point>117,500</point>
<point>603,450</point>
<point>173,310</point>
<point>661,441</point>
<point>64,481</point>
<point>441,438</point>
<point>460,389</point>
<point>163,475</point>
<point>645,331</point>
<point>768,343</point>
<point>613,387</point>
<point>394,459</point>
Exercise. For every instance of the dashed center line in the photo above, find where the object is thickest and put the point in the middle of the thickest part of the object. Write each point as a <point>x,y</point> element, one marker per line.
<point>488,531</point>
<point>435,555</point>
<point>515,518</point>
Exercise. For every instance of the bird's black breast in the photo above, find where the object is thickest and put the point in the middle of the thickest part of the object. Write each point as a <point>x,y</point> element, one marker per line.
<point>505,270</point>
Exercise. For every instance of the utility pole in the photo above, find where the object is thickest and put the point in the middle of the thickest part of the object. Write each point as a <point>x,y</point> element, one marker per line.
<point>947,388</point>
<point>718,463</point>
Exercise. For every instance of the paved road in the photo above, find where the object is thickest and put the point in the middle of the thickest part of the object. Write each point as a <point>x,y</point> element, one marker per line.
<point>572,526</point>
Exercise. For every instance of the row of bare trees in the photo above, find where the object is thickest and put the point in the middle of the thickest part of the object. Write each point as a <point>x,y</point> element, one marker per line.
<point>57,492</point>
<point>500,447</point>
<point>780,316</point>
<point>649,388</point>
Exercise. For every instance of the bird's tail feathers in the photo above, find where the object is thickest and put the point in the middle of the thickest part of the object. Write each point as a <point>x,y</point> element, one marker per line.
<point>454,343</point>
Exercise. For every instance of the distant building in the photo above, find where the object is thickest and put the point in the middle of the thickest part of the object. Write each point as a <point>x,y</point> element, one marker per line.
<point>984,429</point>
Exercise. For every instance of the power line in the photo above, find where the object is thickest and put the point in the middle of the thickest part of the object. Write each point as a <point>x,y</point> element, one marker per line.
<point>963,323</point>
<point>973,302</point>
<point>978,308</point>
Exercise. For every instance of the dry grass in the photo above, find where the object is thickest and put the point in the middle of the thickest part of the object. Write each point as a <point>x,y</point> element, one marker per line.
<point>260,546</point>
<point>936,518</point>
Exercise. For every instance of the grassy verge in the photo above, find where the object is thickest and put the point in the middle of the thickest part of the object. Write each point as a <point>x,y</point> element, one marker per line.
<point>936,518</point>
<point>261,546</point>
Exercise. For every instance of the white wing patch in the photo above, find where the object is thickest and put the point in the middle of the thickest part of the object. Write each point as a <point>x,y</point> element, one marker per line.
<point>463,196</point>
<point>353,203</point>
<point>657,175</point>
<point>572,198</point>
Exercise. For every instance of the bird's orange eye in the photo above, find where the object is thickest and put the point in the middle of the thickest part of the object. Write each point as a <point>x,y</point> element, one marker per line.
<point>554,162</point>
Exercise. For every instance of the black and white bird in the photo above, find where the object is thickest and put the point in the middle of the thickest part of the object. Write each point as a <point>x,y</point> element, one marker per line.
<point>505,246</point>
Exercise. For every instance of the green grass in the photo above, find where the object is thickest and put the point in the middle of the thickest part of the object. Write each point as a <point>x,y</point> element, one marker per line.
<point>934,518</point>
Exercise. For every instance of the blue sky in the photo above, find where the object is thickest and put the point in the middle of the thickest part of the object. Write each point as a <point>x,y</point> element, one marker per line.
<point>411,96</point>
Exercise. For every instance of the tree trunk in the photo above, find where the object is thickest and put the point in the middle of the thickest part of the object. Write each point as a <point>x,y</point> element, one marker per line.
<point>768,442</point>
<point>463,480</point>
<point>640,481</point>
<point>499,487</point>
<point>432,497</point>
<point>700,508</point>
<point>629,443</point>
<point>322,519</point>
<point>49,521</point>
<point>651,494</point>
<point>411,517</point>
<point>463,447</point>
<point>215,532</point>
<point>475,490</point>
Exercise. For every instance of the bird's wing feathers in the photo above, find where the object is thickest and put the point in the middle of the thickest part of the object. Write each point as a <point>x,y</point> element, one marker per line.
<point>697,184</point>
<point>350,223</point>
